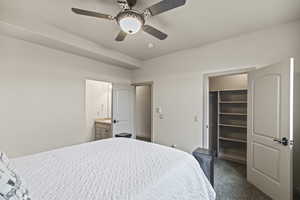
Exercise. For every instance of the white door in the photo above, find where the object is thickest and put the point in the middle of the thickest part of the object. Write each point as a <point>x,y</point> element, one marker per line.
<point>270,124</point>
<point>123,109</point>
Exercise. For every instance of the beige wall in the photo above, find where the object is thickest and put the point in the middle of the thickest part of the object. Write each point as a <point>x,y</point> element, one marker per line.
<point>42,104</point>
<point>231,82</point>
<point>178,78</point>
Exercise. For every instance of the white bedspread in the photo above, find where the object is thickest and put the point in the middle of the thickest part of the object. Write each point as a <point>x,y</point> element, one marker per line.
<point>114,169</point>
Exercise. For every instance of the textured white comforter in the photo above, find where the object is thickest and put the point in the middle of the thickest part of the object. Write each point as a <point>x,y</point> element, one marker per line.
<point>114,169</point>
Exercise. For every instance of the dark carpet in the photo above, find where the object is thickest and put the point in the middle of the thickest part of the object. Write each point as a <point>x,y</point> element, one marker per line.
<point>143,139</point>
<point>231,183</point>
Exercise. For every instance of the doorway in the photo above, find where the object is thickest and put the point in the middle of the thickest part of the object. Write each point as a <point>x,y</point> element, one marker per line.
<point>228,116</point>
<point>143,111</point>
<point>228,102</point>
<point>98,106</point>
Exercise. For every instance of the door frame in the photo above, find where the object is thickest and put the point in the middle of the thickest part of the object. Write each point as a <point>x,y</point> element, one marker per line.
<point>150,84</point>
<point>205,118</point>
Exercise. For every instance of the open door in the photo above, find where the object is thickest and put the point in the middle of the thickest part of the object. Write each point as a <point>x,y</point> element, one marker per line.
<point>123,101</point>
<point>270,129</point>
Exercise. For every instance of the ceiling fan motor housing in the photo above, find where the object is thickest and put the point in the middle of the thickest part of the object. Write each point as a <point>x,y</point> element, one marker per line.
<point>131,3</point>
<point>129,20</point>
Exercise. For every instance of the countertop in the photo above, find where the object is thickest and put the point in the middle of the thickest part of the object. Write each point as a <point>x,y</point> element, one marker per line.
<point>103,121</point>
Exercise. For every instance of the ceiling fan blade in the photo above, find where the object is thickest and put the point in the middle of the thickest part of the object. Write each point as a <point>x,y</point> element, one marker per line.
<point>164,6</point>
<point>92,14</point>
<point>121,36</point>
<point>154,32</point>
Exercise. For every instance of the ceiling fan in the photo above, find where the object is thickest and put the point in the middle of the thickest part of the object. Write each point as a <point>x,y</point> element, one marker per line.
<point>132,21</point>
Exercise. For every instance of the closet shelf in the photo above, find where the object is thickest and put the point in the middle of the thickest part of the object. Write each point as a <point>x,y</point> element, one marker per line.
<point>233,90</point>
<point>234,102</point>
<point>237,114</point>
<point>234,126</point>
<point>232,140</point>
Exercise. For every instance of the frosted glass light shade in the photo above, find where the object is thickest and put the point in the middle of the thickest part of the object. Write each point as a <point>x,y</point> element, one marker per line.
<point>130,25</point>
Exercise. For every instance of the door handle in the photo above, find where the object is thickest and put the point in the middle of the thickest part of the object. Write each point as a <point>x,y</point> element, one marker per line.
<point>284,141</point>
<point>115,121</point>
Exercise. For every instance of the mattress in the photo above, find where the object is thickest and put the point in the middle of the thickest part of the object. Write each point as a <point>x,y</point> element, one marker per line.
<point>114,169</point>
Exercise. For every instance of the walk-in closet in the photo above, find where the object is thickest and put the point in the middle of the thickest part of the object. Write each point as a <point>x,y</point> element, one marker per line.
<point>228,117</point>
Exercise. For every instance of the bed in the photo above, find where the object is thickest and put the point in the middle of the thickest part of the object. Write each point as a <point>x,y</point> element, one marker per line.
<point>114,169</point>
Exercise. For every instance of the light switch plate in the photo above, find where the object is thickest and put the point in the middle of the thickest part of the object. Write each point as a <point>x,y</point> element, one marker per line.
<point>159,110</point>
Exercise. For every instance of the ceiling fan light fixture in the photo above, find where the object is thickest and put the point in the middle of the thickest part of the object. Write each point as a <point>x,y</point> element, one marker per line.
<point>130,22</point>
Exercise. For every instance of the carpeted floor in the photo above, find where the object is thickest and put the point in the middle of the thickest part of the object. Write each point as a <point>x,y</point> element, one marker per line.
<point>143,138</point>
<point>231,183</point>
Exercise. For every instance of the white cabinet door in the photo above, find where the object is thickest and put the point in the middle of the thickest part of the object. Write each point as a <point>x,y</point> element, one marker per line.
<point>270,117</point>
<point>123,109</point>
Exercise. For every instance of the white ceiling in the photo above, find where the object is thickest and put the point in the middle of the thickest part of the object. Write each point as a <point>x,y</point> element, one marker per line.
<point>198,22</point>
